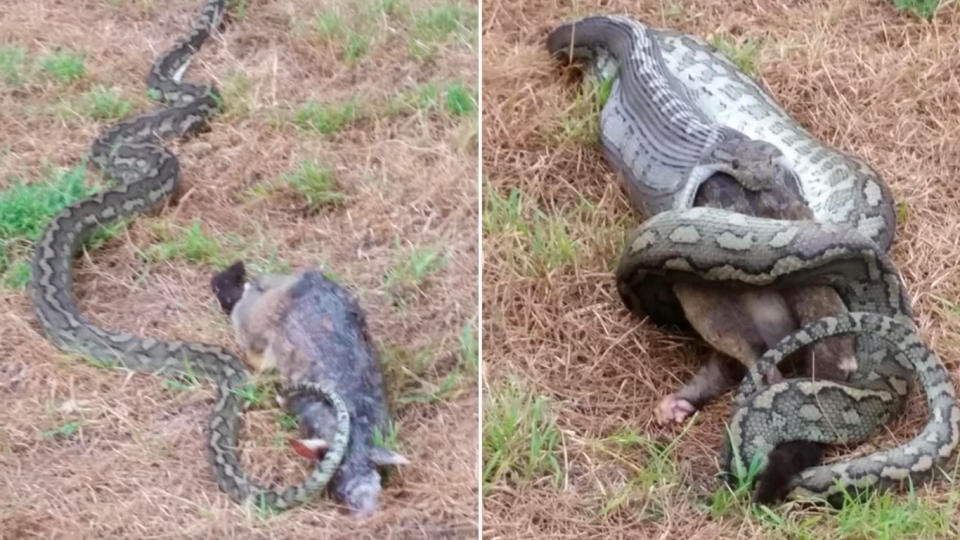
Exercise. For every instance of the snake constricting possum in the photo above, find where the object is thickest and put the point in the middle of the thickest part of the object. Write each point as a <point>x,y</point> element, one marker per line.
<point>679,114</point>
<point>133,154</point>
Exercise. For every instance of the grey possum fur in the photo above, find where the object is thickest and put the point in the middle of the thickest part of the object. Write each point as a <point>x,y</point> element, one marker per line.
<point>311,329</point>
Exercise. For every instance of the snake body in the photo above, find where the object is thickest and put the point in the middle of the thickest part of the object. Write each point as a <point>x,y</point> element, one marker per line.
<point>677,114</point>
<point>147,174</point>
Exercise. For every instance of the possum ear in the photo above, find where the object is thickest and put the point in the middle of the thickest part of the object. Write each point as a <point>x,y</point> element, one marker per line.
<point>309,448</point>
<point>381,457</point>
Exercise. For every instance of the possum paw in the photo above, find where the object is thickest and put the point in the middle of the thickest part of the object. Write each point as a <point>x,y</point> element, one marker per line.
<point>673,409</point>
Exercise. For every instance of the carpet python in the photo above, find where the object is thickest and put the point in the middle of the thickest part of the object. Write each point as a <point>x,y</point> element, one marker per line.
<point>679,112</point>
<point>147,173</point>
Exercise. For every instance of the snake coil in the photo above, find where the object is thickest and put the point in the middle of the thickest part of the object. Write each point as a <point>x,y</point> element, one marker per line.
<point>132,153</point>
<point>679,112</point>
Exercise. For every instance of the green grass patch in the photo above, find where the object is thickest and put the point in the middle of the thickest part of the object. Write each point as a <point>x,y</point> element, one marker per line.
<point>174,385</point>
<point>412,271</point>
<point>891,516</point>
<point>874,515</point>
<point>399,357</point>
<point>103,234</point>
<point>432,392</point>
<point>452,98</point>
<point>356,46</point>
<point>63,66</point>
<point>237,94</point>
<point>332,274</point>
<point>550,242</point>
<point>675,9</point>
<point>65,431</point>
<point>106,363</point>
<point>186,243</point>
<point>325,119</point>
<point>651,466</point>
<point>352,40</point>
<point>925,9</point>
<point>423,375</point>
<point>460,100</point>
<point>604,88</point>
<point>286,421</point>
<point>438,24</point>
<point>186,382</point>
<point>254,394</point>
<point>521,441</point>
<point>902,212</point>
<point>16,277</point>
<point>407,369</point>
<point>389,439</point>
<point>733,496</point>
<point>330,25</point>
<point>744,52</point>
<point>12,65</point>
<point>287,428</point>
<point>579,123</point>
<point>106,104</point>
<point>317,184</point>
<point>26,209</point>
<point>469,345</point>
<point>501,214</point>
<point>394,9</point>
<point>271,264</point>
<point>238,7</point>
<point>423,98</point>
<point>536,242</point>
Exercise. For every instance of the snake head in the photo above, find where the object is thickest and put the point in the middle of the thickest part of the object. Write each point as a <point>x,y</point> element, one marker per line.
<point>228,286</point>
<point>756,165</point>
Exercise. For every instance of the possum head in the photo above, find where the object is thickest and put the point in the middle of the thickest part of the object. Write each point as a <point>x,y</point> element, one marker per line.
<point>228,286</point>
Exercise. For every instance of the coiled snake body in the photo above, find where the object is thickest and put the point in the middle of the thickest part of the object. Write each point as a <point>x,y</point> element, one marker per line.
<point>148,174</point>
<point>679,113</point>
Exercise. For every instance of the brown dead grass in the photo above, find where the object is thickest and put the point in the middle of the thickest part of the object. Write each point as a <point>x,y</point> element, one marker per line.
<point>137,465</point>
<point>858,75</point>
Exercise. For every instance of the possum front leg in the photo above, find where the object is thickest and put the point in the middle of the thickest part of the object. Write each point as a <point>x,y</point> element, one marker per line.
<point>255,343</point>
<point>740,325</point>
<point>256,318</point>
<point>714,378</point>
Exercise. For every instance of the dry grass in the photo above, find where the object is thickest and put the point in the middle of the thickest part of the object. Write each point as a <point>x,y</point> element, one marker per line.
<point>92,452</point>
<point>861,76</point>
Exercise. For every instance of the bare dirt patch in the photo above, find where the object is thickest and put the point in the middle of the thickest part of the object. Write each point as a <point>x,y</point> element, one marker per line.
<point>860,75</point>
<point>93,452</point>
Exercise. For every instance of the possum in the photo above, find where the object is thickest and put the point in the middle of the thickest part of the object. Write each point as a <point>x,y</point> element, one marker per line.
<point>744,323</point>
<point>311,329</point>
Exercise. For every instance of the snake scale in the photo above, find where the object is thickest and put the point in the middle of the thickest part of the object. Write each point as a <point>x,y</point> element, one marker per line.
<point>679,112</point>
<point>132,153</point>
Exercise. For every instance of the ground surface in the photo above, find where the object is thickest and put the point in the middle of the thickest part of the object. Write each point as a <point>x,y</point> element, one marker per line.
<point>571,378</point>
<point>378,95</point>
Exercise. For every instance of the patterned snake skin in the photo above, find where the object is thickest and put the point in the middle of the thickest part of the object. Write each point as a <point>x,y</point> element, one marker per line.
<point>132,153</point>
<point>679,113</point>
